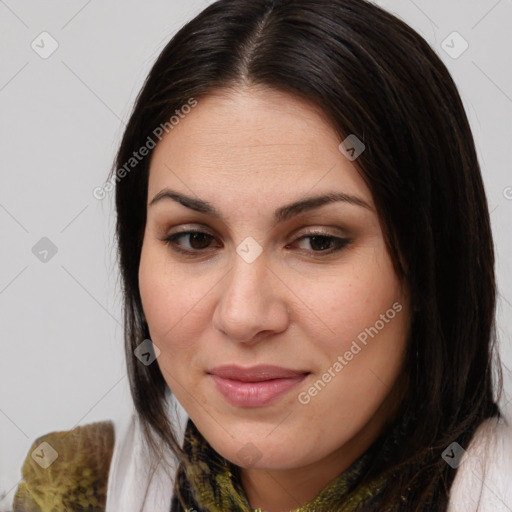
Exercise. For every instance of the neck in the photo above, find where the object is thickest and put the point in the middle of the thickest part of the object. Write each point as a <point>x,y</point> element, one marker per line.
<point>284,490</point>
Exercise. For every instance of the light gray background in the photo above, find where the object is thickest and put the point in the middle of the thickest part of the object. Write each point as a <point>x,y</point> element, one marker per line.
<point>62,361</point>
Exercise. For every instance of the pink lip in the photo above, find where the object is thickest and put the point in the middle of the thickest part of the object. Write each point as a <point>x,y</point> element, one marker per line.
<point>256,386</point>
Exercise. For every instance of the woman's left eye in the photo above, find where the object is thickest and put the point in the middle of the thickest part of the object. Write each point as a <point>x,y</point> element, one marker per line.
<point>198,241</point>
<point>334,243</point>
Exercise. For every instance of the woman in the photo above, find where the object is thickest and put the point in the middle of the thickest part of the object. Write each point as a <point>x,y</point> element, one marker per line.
<point>308,273</point>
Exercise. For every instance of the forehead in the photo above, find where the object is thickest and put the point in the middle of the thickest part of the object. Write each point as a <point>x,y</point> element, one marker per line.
<point>253,139</point>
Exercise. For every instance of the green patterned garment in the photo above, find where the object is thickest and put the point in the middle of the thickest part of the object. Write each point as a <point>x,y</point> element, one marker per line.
<point>207,482</point>
<point>68,472</point>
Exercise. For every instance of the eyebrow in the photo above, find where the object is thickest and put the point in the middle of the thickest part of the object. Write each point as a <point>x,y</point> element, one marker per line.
<point>280,215</point>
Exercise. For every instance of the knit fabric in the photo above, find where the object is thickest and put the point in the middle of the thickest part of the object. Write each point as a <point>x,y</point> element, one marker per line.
<point>67,471</point>
<point>207,482</point>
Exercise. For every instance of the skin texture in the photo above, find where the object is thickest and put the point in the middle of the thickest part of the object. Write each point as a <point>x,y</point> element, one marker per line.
<point>248,152</point>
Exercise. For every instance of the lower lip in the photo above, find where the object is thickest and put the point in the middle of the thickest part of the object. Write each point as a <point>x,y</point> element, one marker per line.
<point>255,394</point>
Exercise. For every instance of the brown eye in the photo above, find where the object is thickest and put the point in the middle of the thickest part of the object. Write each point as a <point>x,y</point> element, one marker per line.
<point>198,241</point>
<point>321,243</point>
<point>324,243</point>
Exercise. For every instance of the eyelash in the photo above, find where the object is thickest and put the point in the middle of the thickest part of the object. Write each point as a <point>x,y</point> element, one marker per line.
<point>340,242</point>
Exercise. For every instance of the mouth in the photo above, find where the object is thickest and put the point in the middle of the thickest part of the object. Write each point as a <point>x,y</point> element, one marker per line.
<point>257,386</point>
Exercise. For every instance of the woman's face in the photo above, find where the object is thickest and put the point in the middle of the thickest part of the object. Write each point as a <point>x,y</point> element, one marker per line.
<point>281,328</point>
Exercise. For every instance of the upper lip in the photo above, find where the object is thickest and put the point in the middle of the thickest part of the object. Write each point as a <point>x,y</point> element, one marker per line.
<point>258,373</point>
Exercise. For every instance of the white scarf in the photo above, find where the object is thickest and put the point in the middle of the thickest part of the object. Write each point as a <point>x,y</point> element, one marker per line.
<point>129,475</point>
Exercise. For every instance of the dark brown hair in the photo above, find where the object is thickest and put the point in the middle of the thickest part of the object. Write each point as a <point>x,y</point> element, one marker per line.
<point>374,77</point>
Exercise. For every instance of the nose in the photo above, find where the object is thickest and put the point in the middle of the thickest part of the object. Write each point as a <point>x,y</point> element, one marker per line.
<point>252,303</point>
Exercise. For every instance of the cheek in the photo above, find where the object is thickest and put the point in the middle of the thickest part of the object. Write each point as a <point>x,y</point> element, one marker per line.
<point>155,287</point>
<point>356,303</point>
<point>174,305</point>
<point>372,324</point>
<point>159,287</point>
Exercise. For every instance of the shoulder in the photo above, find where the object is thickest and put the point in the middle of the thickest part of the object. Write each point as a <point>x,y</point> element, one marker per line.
<point>67,470</point>
<point>484,476</point>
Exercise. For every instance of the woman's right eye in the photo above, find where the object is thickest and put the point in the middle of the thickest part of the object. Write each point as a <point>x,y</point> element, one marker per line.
<point>198,241</point>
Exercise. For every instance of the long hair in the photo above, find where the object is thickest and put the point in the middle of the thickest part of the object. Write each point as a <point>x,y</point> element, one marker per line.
<point>376,78</point>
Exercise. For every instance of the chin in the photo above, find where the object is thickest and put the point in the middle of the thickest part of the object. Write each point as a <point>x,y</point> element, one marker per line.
<point>258,445</point>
